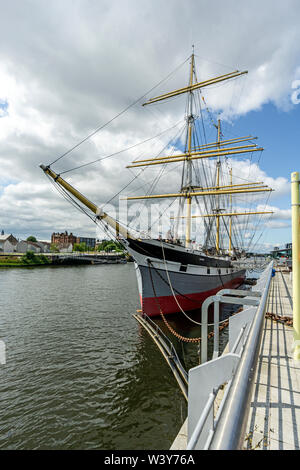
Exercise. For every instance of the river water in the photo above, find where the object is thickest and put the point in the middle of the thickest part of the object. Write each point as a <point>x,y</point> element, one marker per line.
<point>80,372</point>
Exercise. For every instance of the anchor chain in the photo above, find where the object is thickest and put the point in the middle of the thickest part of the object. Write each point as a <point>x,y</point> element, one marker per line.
<point>194,340</point>
<point>281,319</point>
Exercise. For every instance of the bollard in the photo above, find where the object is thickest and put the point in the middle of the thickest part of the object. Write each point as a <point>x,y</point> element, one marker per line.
<point>296,262</point>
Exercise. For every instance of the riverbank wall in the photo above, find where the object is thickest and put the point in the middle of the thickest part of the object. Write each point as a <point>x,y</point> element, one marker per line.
<point>17,260</point>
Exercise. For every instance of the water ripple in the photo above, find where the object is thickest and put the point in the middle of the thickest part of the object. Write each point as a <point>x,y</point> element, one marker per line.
<point>80,373</point>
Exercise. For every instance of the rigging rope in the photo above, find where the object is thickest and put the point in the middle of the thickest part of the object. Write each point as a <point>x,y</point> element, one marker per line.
<point>120,151</point>
<point>160,173</point>
<point>222,324</point>
<point>180,337</point>
<point>172,290</point>
<point>102,126</point>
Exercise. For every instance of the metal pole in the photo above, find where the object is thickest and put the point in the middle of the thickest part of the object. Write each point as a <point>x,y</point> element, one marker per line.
<point>188,222</point>
<point>198,429</point>
<point>230,220</point>
<point>189,164</point>
<point>218,186</point>
<point>216,328</point>
<point>296,262</point>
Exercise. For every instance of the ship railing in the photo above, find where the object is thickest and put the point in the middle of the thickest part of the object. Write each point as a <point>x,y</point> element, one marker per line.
<point>257,265</point>
<point>220,389</point>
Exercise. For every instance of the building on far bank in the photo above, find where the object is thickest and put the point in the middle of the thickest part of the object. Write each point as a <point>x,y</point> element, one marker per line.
<point>45,246</point>
<point>23,246</point>
<point>90,242</point>
<point>286,251</point>
<point>36,247</point>
<point>65,247</point>
<point>8,243</point>
<point>64,239</point>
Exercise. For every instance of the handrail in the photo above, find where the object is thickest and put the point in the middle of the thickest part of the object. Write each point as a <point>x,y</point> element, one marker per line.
<point>229,434</point>
<point>210,402</point>
<point>198,429</point>
<point>217,299</point>
<point>237,369</point>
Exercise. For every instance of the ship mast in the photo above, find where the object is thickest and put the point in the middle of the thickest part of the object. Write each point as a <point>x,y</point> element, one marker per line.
<point>230,217</point>
<point>189,167</point>
<point>218,187</point>
<point>220,148</point>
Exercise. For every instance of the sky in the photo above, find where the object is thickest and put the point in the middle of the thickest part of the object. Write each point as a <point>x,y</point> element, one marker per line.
<point>67,68</point>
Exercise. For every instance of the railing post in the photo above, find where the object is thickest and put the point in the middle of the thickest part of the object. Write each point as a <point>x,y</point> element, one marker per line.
<point>296,262</point>
<point>204,321</point>
<point>216,328</point>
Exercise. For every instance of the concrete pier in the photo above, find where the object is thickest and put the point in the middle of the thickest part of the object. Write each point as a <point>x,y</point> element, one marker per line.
<point>274,415</point>
<point>274,418</point>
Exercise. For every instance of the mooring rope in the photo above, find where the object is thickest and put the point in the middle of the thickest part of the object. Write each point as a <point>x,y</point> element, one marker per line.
<point>222,325</point>
<point>172,290</point>
<point>170,328</point>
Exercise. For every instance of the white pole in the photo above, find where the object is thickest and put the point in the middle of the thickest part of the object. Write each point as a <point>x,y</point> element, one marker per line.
<point>296,262</point>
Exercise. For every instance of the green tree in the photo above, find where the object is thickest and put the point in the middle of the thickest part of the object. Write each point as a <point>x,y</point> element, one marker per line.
<point>80,247</point>
<point>110,245</point>
<point>31,239</point>
<point>54,248</point>
<point>29,257</point>
<point>103,244</point>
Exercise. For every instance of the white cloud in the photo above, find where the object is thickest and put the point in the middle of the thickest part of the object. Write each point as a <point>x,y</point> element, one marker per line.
<point>68,67</point>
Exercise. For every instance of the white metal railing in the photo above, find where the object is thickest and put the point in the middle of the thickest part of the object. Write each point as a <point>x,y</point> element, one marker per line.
<point>222,297</point>
<point>233,372</point>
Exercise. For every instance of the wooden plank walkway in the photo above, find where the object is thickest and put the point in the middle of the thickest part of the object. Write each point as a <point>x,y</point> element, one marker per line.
<point>274,418</point>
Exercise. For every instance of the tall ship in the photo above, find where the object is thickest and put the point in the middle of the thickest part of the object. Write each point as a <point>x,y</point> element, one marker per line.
<point>174,273</point>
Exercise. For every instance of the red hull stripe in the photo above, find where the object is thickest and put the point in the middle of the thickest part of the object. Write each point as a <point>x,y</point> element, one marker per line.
<point>152,305</point>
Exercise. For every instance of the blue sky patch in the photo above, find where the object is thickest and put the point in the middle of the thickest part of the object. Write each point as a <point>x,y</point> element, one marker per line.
<point>3,108</point>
